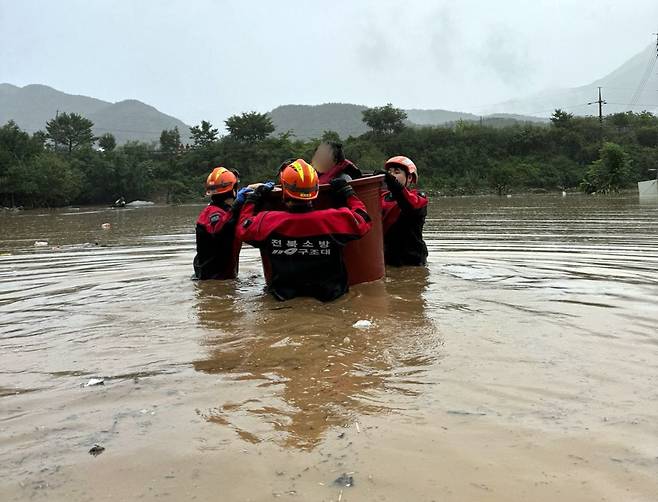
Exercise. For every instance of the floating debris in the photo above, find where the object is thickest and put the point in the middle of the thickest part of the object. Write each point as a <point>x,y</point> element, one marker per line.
<point>95,381</point>
<point>362,324</point>
<point>285,342</point>
<point>346,479</point>
<point>96,450</point>
<point>466,413</point>
<point>140,203</point>
<point>40,244</point>
<point>106,226</point>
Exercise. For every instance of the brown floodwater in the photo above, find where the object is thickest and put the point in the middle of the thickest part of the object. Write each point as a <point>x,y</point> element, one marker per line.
<point>520,365</point>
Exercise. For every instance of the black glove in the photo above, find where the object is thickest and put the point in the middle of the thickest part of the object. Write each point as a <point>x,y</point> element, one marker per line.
<point>341,189</point>
<point>392,183</point>
<point>268,186</point>
<point>257,195</point>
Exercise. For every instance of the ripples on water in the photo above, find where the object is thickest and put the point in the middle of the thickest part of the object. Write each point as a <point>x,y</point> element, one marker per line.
<point>120,303</point>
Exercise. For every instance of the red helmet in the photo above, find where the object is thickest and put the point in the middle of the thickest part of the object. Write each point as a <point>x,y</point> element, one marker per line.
<point>405,163</point>
<point>299,181</point>
<point>220,180</point>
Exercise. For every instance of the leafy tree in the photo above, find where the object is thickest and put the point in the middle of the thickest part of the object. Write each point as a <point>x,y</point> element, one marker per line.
<point>331,137</point>
<point>620,120</point>
<point>17,150</point>
<point>170,140</point>
<point>41,138</point>
<point>385,119</point>
<point>71,131</point>
<point>250,126</point>
<point>644,118</point>
<point>204,134</point>
<point>461,158</point>
<point>107,142</point>
<point>501,178</point>
<point>610,172</point>
<point>57,183</point>
<point>16,145</point>
<point>562,119</point>
<point>647,136</point>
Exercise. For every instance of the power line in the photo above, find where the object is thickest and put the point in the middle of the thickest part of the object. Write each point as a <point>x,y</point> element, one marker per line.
<point>643,82</point>
<point>567,107</point>
<point>646,76</point>
<point>635,104</point>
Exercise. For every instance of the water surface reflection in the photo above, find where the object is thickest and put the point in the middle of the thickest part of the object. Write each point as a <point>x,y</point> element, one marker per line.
<point>302,365</point>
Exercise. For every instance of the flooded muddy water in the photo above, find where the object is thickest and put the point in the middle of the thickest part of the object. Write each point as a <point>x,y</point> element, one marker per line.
<point>521,364</point>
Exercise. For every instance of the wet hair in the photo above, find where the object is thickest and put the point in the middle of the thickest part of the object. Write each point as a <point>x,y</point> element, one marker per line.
<point>284,164</point>
<point>336,150</point>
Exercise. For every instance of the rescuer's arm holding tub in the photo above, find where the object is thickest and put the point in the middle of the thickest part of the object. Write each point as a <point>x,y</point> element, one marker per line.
<point>404,209</point>
<point>304,246</point>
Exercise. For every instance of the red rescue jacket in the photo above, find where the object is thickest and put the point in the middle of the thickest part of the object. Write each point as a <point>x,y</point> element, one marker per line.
<point>305,248</point>
<point>403,218</point>
<point>217,248</point>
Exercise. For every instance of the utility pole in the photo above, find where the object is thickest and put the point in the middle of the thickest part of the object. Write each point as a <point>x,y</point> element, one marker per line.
<point>600,102</point>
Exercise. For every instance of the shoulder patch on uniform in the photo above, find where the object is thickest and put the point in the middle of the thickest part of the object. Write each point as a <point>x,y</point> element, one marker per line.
<point>214,218</point>
<point>422,194</point>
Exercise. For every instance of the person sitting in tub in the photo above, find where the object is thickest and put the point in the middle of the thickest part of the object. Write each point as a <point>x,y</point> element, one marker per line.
<point>330,162</point>
<point>304,246</point>
<point>404,209</point>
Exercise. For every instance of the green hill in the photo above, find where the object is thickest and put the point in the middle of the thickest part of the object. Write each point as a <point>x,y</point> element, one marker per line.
<point>310,121</point>
<point>33,105</point>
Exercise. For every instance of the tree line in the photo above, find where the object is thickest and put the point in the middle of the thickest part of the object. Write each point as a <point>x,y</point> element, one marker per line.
<point>66,164</point>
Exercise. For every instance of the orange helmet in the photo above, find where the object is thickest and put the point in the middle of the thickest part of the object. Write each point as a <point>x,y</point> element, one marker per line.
<point>220,180</point>
<point>299,181</point>
<point>406,163</point>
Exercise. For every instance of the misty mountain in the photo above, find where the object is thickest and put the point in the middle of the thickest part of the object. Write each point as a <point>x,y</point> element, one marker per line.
<point>437,117</point>
<point>622,89</point>
<point>33,105</point>
<point>310,121</point>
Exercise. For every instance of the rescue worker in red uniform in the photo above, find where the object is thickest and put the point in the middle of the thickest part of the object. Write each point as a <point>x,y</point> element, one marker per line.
<point>330,162</point>
<point>217,248</point>
<point>304,246</point>
<point>403,214</point>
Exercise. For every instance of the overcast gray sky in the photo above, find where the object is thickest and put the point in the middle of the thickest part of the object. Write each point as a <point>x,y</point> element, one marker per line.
<point>207,59</point>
